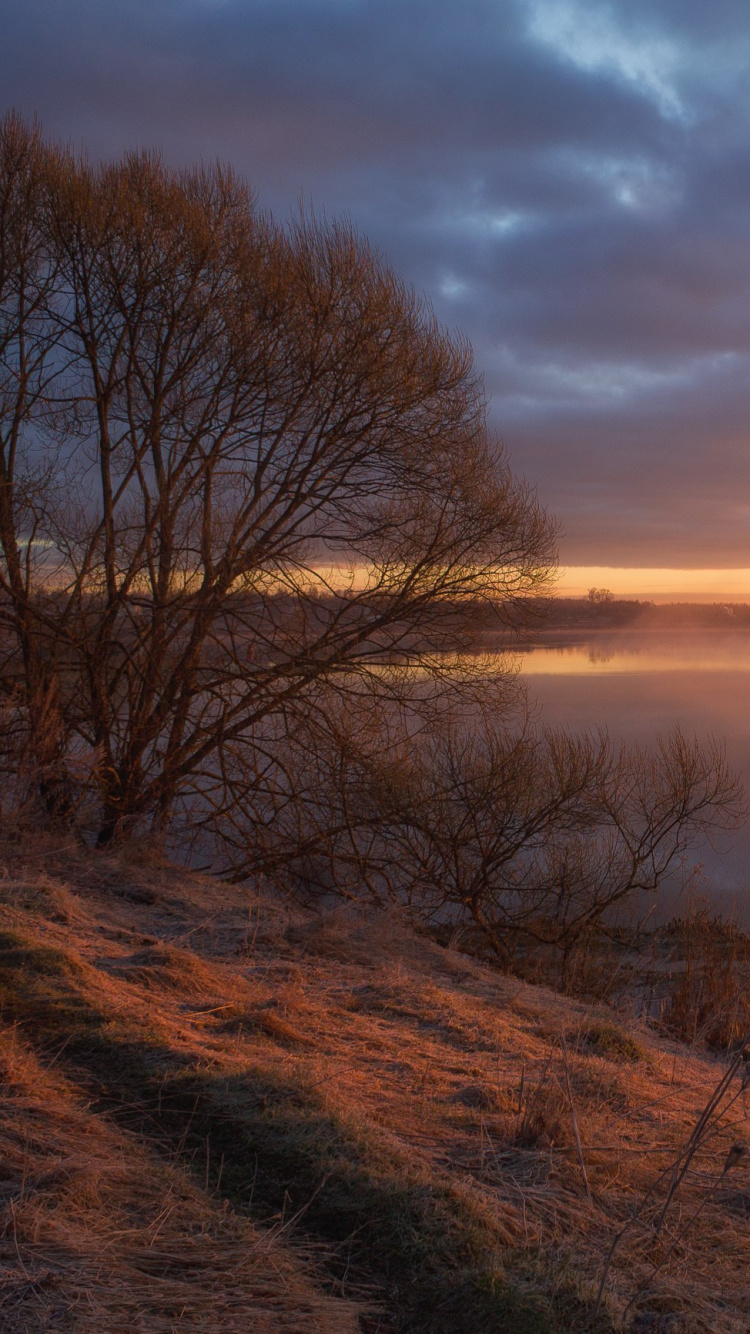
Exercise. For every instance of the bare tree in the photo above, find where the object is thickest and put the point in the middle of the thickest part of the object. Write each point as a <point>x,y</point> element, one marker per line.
<point>203,418</point>
<point>29,278</point>
<point>531,836</point>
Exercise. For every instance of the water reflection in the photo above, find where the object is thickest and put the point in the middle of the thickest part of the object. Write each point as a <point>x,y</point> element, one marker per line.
<point>640,685</point>
<point>630,652</point>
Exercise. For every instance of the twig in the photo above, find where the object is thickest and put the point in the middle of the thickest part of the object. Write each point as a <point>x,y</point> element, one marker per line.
<point>709,1195</point>
<point>12,1208</point>
<point>691,1148</point>
<point>678,1170</point>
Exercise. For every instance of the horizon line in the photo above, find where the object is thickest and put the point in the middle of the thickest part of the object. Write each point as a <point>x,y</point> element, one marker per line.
<point>657,583</point>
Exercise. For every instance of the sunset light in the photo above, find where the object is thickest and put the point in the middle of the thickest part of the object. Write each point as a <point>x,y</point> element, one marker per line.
<point>375,666</point>
<point>657,585</point>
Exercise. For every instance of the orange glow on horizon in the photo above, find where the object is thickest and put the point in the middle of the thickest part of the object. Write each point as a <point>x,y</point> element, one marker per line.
<point>644,583</point>
<point>656,584</point>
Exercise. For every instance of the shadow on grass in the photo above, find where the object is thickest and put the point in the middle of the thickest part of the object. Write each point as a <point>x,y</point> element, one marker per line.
<point>42,988</point>
<point>392,1227</point>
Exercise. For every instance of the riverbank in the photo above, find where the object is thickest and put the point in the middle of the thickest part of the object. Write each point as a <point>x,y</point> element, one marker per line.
<point>221,1112</point>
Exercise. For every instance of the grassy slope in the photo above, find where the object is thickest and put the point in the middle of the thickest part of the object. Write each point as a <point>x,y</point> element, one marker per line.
<point>220,1115</point>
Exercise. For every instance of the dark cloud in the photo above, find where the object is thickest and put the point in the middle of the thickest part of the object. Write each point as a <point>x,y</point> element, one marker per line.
<point>568,181</point>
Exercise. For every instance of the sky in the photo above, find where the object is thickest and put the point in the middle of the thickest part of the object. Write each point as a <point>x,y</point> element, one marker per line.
<point>566,181</point>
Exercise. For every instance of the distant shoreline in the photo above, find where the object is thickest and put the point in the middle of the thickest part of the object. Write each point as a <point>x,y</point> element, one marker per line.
<point>605,612</point>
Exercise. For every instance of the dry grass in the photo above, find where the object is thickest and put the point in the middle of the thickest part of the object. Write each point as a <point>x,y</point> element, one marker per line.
<point>709,995</point>
<point>459,1148</point>
<point>100,1233</point>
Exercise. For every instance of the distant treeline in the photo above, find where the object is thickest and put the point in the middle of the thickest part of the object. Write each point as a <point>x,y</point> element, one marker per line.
<point>557,613</point>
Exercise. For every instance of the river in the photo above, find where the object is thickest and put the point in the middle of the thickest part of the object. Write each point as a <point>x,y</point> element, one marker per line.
<point>640,684</point>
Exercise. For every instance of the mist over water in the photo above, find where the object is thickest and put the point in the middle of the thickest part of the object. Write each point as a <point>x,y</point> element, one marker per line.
<point>641,684</point>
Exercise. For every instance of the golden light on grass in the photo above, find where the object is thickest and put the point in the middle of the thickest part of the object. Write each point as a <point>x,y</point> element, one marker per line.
<point>459,1108</point>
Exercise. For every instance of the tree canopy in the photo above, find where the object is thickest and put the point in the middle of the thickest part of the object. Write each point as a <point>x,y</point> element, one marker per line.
<point>236,460</point>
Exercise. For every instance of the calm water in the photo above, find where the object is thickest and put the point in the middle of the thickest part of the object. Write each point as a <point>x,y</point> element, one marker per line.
<point>640,684</point>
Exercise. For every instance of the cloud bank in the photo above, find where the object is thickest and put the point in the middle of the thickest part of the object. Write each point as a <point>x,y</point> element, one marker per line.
<point>567,181</point>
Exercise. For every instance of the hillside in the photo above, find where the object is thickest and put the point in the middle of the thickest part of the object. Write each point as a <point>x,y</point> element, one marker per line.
<point>220,1113</point>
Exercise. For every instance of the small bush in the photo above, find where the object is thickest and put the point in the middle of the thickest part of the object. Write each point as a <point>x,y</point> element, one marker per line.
<point>610,1041</point>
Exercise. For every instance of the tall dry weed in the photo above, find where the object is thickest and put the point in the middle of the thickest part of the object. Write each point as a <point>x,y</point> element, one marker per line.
<point>709,993</point>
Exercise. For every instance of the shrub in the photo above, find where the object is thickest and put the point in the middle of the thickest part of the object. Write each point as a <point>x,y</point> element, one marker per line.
<point>709,991</point>
<point>608,1040</point>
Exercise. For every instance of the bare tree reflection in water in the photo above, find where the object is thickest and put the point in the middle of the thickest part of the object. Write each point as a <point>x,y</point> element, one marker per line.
<point>640,686</point>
